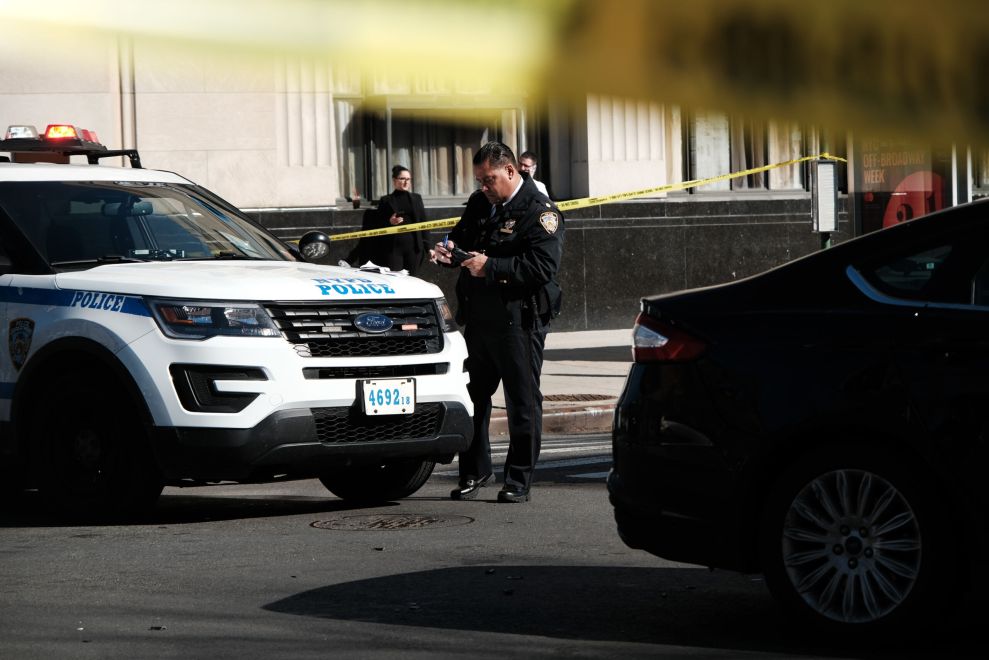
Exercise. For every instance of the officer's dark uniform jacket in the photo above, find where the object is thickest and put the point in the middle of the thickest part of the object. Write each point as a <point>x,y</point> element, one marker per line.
<point>524,244</point>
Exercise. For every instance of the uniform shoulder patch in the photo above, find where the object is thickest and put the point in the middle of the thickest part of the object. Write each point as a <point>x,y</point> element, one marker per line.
<point>550,221</point>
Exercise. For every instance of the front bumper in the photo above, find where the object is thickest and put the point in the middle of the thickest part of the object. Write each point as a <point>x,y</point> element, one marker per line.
<point>307,442</point>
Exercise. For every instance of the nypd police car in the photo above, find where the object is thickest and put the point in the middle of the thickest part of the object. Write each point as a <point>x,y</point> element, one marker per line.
<point>153,335</point>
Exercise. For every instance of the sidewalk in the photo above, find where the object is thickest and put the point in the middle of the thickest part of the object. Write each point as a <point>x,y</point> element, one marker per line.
<point>583,374</point>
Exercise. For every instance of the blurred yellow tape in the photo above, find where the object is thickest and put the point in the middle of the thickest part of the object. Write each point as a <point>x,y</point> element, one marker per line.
<point>585,202</point>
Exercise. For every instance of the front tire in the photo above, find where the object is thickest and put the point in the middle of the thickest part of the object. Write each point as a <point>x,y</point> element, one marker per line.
<point>95,454</point>
<point>374,484</point>
<point>850,542</point>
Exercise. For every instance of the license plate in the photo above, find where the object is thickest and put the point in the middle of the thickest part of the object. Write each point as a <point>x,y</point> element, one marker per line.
<point>394,396</point>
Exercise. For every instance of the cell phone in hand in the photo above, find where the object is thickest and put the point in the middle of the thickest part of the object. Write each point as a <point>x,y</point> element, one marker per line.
<point>458,256</point>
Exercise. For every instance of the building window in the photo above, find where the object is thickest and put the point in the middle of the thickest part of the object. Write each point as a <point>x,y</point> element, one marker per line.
<point>429,124</point>
<point>708,152</point>
<point>748,150</point>
<point>980,174</point>
<point>437,146</point>
<point>351,148</point>
<point>718,144</point>
<point>787,141</point>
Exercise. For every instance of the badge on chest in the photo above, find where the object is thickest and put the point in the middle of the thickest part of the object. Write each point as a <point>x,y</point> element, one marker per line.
<point>508,227</point>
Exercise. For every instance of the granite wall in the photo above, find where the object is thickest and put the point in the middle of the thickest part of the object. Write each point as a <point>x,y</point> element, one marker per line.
<point>617,253</point>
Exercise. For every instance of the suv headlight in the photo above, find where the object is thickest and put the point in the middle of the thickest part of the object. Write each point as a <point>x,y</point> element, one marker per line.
<point>193,319</point>
<point>447,322</point>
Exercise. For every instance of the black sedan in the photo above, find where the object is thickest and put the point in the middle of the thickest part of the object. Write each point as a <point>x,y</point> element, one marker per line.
<point>824,423</point>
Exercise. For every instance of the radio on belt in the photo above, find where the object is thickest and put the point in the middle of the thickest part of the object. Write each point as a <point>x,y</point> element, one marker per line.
<point>158,336</point>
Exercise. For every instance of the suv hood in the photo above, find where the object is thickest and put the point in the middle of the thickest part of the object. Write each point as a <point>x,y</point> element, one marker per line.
<point>246,280</point>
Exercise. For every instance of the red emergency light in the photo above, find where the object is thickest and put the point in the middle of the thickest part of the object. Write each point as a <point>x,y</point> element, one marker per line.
<point>61,132</point>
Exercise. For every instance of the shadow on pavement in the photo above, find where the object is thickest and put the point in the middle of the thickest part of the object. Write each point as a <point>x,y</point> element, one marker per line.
<point>672,606</point>
<point>212,503</point>
<point>29,509</point>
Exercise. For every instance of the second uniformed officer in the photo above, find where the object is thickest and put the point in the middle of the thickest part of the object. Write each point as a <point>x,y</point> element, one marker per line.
<point>506,294</point>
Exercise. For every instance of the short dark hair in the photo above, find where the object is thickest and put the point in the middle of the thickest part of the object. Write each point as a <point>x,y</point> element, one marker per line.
<point>398,169</point>
<point>495,154</point>
<point>531,156</point>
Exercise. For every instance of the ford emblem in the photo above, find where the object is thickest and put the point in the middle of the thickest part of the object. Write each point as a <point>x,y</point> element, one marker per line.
<point>373,323</point>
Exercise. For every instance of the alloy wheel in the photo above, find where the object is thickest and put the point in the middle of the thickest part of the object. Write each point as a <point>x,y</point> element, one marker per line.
<point>851,546</point>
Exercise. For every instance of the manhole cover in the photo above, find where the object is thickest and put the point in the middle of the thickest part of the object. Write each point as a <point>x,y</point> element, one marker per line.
<point>577,397</point>
<point>390,521</point>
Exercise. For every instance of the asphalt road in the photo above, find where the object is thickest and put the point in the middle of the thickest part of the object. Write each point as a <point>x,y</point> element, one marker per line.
<point>288,571</point>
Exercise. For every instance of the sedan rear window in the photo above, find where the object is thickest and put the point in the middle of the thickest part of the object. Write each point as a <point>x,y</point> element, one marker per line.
<point>909,276</point>
<point>947,269</point>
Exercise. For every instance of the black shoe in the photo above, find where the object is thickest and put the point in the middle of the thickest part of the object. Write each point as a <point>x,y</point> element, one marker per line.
<point>468,488</point>
<point>513,495</point>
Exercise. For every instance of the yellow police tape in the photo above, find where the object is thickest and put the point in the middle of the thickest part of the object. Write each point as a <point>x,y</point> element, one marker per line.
<point>585,202</point>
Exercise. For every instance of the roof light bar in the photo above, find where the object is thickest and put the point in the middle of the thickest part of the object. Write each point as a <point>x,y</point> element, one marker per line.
<point>65,140</point>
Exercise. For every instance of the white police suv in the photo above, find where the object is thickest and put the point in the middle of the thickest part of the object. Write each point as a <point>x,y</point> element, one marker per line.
<point>152,334</point>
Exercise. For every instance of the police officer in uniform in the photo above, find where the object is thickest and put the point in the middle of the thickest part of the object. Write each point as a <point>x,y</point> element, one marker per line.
<point>506,293</point>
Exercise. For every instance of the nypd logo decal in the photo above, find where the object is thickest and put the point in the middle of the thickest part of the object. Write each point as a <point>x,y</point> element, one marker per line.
<point>19,340</point>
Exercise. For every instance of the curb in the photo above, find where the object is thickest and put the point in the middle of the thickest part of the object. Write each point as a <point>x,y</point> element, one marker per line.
<point>564,421</point>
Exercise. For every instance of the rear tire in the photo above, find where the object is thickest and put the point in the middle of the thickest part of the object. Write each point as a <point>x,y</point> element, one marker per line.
<point>854,541</point>
<point>374,484</point>
<point>95,454</point>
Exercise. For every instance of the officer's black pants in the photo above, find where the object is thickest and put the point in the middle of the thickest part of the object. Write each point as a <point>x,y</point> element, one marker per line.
<point>403,256</point>
<point>514,356</point>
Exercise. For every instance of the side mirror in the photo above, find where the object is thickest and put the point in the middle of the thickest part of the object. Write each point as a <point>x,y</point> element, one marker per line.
<point>314,245</point>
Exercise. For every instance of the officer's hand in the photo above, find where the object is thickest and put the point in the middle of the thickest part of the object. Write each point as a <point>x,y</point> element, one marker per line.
<point>441,253</point>
<point>395,219</point>
<point>476,264</point>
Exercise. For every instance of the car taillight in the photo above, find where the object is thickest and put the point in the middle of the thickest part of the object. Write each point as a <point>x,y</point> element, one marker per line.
<point>656,341</point>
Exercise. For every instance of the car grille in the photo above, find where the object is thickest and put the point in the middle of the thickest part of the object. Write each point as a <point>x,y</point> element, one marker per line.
<point>348,426</point>
<point>327,329</point>
<point>377,371</point>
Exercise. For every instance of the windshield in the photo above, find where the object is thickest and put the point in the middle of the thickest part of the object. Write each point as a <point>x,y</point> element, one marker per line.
<point>82,224</point>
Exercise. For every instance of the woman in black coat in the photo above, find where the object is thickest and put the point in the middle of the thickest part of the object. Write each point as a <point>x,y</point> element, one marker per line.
<point>401,207</point>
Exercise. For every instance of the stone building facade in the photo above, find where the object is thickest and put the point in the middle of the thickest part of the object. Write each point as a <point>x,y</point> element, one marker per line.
<point>294,141</point>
